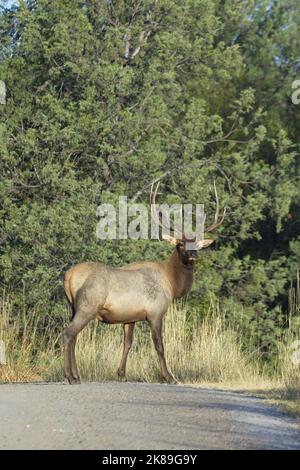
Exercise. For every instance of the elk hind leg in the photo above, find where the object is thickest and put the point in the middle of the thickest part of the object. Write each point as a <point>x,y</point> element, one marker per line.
<point>74,369</point>
<point>128,337</point>
<point>79,321</point>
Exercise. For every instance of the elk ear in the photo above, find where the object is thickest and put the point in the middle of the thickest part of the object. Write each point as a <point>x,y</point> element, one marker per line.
<point>204,243</point>
<point>170,239</point>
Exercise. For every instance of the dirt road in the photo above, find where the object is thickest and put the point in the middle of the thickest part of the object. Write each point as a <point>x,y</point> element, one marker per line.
<point>139,416</point>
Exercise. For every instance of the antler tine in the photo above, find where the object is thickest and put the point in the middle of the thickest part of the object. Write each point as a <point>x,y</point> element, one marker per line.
<point>153,203</point>
<point>153,207</point>
<point>216,223</point>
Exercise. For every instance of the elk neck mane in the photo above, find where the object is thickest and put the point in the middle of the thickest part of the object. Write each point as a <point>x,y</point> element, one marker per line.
<point>179,275</point>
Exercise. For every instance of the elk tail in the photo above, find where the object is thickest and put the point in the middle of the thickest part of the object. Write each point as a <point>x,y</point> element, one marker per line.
<point>71,310</point>
<point>70,305</point>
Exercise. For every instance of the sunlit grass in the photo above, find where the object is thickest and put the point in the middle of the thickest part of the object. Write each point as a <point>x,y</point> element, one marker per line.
<point>199,352</point>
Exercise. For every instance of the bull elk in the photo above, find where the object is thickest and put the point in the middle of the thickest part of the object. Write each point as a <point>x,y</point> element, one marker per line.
<point>135,292</point>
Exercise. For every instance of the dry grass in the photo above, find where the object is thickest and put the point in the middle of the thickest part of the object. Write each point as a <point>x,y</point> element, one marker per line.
<point>198,352</point>
<point>25,347</point>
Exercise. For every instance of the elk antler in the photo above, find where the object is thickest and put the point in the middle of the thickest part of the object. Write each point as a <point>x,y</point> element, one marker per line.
<point>154,209</point>
<point>216,223</point>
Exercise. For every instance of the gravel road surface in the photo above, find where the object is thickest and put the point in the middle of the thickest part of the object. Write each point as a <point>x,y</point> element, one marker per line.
<point>116,415</point>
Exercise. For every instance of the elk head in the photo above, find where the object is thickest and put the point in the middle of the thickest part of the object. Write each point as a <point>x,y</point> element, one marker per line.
<point>187,248</point>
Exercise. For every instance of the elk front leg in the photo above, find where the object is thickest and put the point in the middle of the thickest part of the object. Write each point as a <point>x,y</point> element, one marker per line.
<point>156,331</point>
<point>128,336</point>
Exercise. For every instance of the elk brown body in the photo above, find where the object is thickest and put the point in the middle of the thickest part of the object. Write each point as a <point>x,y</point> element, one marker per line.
<point>140,291</point>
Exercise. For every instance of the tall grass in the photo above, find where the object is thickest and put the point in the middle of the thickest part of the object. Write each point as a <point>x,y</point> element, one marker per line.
<point>26,349</point>
<point>197,351</point>
<point>289,348</point>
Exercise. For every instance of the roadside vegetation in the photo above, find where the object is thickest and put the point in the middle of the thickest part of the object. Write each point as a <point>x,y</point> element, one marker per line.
<point>202,352</point>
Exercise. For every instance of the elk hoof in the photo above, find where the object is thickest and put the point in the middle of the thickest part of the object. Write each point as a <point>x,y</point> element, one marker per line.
<point>169,379</point>
<point>121,376</point>
<point>74,380</point>
<point>122,379</point>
